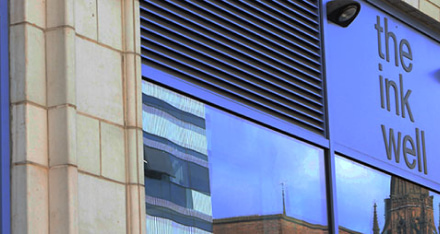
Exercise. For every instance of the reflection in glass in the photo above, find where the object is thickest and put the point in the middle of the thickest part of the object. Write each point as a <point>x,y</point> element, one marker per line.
<point>373,202</point>
<point>208,171</point>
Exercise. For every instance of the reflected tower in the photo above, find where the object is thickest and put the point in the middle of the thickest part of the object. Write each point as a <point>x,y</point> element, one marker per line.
<point>376,229</point>
<point>409,210</point>
<point>177,186</point>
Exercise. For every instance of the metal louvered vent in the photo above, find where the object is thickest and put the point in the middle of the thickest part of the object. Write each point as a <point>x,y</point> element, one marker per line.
<point>264,54</point>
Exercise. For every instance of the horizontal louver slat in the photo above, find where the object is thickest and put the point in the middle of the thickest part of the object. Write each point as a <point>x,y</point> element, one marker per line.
<point>228,59</point>
<point>240,75</point>
<point>254,47</point>
<point>264,54</point>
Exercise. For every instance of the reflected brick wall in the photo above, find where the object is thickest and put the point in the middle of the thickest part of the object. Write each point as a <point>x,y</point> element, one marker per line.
<point>273,224</point>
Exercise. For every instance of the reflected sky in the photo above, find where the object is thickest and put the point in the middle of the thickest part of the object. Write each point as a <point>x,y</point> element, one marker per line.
<point>358,188</point>
<point>249,164</point>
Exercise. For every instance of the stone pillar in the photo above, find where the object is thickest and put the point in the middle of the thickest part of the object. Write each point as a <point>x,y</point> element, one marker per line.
<point>29,128</point>
<point>133,116</point>
<point>77,162</point>
<point>61,103</point>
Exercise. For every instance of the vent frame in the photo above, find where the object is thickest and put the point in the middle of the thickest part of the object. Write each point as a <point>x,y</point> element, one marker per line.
<point>259,69</point>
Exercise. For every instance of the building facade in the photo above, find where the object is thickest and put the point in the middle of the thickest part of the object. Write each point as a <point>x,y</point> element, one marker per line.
<point>76,117</point>
<point>409,209</point>
<point>139,116</point>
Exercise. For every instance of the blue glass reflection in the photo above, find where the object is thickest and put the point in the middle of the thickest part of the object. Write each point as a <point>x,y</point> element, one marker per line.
<point>251,165</point>
<point>207,171</point>
<point>373,202</point>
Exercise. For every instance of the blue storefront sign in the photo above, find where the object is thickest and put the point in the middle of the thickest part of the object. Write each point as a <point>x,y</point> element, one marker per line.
<point>383,82</point>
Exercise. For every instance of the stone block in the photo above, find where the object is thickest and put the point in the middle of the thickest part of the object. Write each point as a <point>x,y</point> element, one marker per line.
<point>113,152</point>
<point>62,136</point>
<point>32,11</point>
<point>63,199</point>
<point>137,23</point>
<point>28,67</point>
<point>29,199</point>
<point>102,205</point>
<point>88,144</point>
<point>131,90</point>
<point>99,81</point>
<point>60,13</point>
<point>110,23</point>
<point>129,28</point>
<point>140,145</point>
<point>413,3</point>
<point>86,20</point>
<point>430,9</point>
<point>29,134</point>
<point>143,210</point>
<point>139,91</point>
<point>133,158</point>
<point>135,216</point>
<point>435,2</point>
<point>60,49</point>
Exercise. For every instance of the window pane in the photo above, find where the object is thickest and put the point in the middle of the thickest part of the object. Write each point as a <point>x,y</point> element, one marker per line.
<point>213,172</point>
<point>370,201</point>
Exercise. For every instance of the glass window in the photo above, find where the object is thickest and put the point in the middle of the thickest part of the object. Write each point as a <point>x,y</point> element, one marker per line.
<point>212,172</point>
<point>370,201</point>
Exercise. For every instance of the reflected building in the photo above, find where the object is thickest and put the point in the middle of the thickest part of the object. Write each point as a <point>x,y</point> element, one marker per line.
<point>408,210</point>
<point>177,188</point>
<point>270,224</point>
<point>273,224</point>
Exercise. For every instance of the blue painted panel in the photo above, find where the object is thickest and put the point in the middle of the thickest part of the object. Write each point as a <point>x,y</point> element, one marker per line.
<point>4,119</point>
<point>357,80</point>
